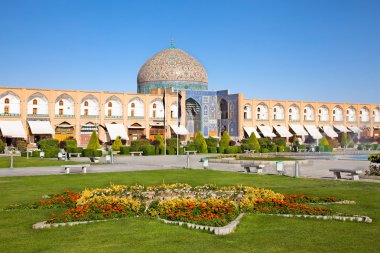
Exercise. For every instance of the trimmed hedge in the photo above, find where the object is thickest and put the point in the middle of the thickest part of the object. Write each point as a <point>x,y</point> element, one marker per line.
<point>374,158</point>
<point>124,150</point>
<point>231,150</point>
<point>148,150</point>
<point>91,153</point>
<point>170,151</point>
<point>212,150</point>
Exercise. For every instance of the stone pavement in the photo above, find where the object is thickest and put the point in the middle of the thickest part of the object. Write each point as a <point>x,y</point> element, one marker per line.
<point>314,169</point>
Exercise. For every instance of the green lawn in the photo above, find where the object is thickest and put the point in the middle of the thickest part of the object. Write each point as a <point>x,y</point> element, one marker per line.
<point>5,162</point>
<point>255,233</point>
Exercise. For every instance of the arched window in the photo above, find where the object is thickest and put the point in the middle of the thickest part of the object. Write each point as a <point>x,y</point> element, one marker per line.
<point>154,106</point>
<point>61,102</point>
<point>109,104</point>
<point>85,103</point>
<point>133,105</point>
<point>35,102</point>
<point>6,109</point>
<point>6,101</point>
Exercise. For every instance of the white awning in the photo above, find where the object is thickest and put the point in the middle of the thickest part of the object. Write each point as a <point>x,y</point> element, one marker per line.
<point>313,131</point>
<point>12,129</point>
<point>283,131</point>
<point>250,130</point>
<point>181,130</point>
<point>40,127</point>
<point>267,131</point>
<point>342,128</point>
<point>136,127</point>
<point>299,130</point>
<point>355,129</point>
<point>157,124</point>
<point>115,130</point>
<point>329,131</point>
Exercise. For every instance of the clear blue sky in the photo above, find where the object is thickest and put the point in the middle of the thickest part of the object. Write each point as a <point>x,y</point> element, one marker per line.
<point>325,50</point>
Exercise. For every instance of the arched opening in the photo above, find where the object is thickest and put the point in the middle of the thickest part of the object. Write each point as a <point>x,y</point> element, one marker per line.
<point>223,109</point>
<point>193,116</point>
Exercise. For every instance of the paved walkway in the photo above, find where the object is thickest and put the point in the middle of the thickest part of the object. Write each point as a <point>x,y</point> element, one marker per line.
<point>314,169</point>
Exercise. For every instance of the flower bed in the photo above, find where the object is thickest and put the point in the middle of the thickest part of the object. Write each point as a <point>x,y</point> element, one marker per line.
<point>206,205</point>
<point>209,212</point>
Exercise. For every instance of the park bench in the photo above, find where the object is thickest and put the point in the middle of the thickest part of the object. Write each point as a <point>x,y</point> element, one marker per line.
<point>75,154</point>
<point>259,167</point>
<point>82,166</point>
<point>354,173</point>
<point>94,159</point>
<point>136,153</point>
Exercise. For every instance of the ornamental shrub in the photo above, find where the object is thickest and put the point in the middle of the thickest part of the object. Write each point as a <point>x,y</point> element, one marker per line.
<point>160,144</point>
<point>231,150</point>
<point>93,144</point>
<point>350,142</point>
<point>251,143</point>
<point>374,158</point>
<point>21,145</point>
<point>344,141</point>
<point>71,143</point>
<point>148,150</point>
<point>225,140</point>
<point>170,151</point>
<point>91,153</point>
<point>324,141</point>
<point>36,153</point>
<point>117,144</point>
<point>50,147</point>
<point>334,143</point>
<point>124,150</point>
<point>171,142</point>
<point>211,142</point>
<point>200,143</point>
<point>264,150</point>
<point>279,141</point>
<point>2,146</point>
<point>137,144</point>
<point>212,150</point>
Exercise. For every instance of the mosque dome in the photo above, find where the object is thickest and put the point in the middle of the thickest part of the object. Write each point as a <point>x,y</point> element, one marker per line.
<point>172,67</point>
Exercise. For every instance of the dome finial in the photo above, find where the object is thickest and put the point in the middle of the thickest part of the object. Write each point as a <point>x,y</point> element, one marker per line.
<point>172,42</point>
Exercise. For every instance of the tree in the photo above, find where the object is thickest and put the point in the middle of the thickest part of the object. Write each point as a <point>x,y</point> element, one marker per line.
<point>200,143</point>
<point>254,142</point>
<point>324,141</point>
<point>161,146</point>
<point>2,146</point>
<point>350,141</point>
<point>93,144</point>
<point>117,144</point>
<point>225,140</point>
<point>344,141</point>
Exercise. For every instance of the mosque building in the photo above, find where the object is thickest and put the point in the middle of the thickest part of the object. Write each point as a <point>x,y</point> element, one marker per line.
<point>169,80</point>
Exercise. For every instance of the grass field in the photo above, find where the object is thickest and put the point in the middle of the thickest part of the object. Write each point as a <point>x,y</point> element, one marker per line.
<point>255,233</point>
<point>5,162</point>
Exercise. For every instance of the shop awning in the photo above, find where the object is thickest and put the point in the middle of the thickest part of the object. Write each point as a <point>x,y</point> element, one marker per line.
<point>283,131</point>
<point>342,128</point>
<point>313,131</point>
<point>157,124</point>
<point>181,130</point>
<point>267,131</point>
<point>329,131</point>
<point>40,127</point>
<point>299,130</point>
<point>115,130</point>
<point>136,127</point>
<point>12,129</point>
<point>250,130</point>
<point>355,129</point>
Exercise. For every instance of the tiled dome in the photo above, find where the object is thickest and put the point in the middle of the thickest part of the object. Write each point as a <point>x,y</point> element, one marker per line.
<point>172,65</point>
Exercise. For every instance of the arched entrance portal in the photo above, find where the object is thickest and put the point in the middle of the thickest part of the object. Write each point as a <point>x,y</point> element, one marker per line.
<point>223,116</point>
<point>193,116</point>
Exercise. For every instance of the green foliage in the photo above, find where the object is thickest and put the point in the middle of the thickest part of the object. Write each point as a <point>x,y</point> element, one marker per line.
<point>137,144</point>
<point>21,145</point>
<point>251,143</point>
<point>200,143</point>
<point>2,146</point>
<point>212,150</point>
<point>264,150</point>
<point>344,141</point>
<point>50,147</point>
<point>160,147</point>
<point>160,139</point>
<point>279,141</point>
<point>225,140</point>
<point>324,141</point>
<point>334,143</point>
<point>93,144</point>
<point>211,142</point>
<point>117,144</point>
<point>350,142</point>
<point>374,158</point>
<point>148,150</point>
<point>36,153</point>
<point>170,151</point>
<point>91,153</point>
<point>231,150</point>
<point>124,150</point>
<point>171,142</point>
<point>71,143</point>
